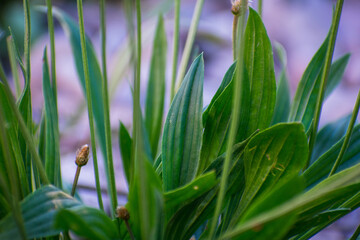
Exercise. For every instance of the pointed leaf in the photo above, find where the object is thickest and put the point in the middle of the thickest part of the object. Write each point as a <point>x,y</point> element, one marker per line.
<point>125,143</point>
<point>154,107</point>
<point>183,130</point>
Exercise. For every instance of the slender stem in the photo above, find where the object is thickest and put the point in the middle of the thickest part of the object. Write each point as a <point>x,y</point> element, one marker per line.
<point>234,119</point>
<point>14,71</point>
<point>347,136</point>
<point>129,230</point>
<point>105,96</point>
<point>189,43</point>
<point>52,47</point>
<point>324,76</point>
<point>175,47</point>
<point>260,6</point>
<point>24,130</point>
<point>76,178</point>
<point>89,101</point>
<point>27,41</point>
<point>356,234</point>
<point>234,30</point>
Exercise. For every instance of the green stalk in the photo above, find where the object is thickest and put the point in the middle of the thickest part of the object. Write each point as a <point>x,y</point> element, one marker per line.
<point>52,47</point>
<point>14,71</point>
<point>234,119</point>
<point>347,136</point>
<point>356,234</point>
<point>89,101</point>
<point>324,76</point>
<point>189,43</point>
<point>27,41</point>
<point>234,30</point>
<point>260,6</point>
<point>105,94</point>
<point>175,47</point>
<point>24,130</point>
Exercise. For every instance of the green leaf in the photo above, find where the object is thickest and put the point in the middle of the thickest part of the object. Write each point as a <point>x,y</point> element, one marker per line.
<point>183,130</point>
<point>52,148</point>
<point>38,211</point>
<point>282,105</point>
<point>339,186</point>
<point>189,192</point>
<point>260,67</point>
<point>279,152</point>
<point>329,135</point>
<point>276,229</point>
<point>125,143</point>
<point>225,82</point>
<point>322,166</point>
<point>205,205</point>
<point>154,107</point>
<point>86,222</point>
<point>304,103</point>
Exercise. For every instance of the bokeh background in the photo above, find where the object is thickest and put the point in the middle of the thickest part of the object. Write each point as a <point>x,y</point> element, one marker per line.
<point>299,25</point>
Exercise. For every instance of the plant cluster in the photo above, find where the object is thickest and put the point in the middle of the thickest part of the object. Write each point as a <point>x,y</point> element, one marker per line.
<point>250,165</point>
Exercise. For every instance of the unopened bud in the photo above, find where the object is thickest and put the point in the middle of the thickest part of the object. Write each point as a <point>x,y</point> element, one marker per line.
<point>239,7</point>
<point>82,156</point>
<point>122,213</point>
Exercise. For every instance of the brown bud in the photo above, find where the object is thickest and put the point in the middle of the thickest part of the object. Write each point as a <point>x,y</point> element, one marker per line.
<point>239,7</point>
<point>122,213</point>
<point>82,156</point>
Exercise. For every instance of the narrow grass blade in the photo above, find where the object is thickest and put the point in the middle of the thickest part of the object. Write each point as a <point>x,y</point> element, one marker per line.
<point>52,150</point>
<point>13,64</point>
<point>183,129</point>
<point>154,107</point>
<point>175,48</point>
<point>125,143</point>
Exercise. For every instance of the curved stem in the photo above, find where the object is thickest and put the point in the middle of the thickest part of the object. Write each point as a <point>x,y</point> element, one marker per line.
<point>189,43</point>
<point>234,121</point>
<point>175,48</point>
<point>234,30</point>
<point>347,136</point>
<point>89,100</point>
<point>324,76</point>
<point>105,95</point>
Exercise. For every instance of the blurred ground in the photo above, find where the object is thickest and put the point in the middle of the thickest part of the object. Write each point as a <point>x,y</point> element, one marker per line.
<point>300,26</point>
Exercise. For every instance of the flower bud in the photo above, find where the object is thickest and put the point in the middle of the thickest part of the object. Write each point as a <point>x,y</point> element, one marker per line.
<point>122,213</point>
<point>82,156</point>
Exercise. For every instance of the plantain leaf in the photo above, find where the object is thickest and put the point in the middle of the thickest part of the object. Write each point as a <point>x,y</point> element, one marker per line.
<point>86,222</point>
<point>38,211</point>
<point>276,229</point>
<point>339,186</point>
<point>260,67</point>
<point>183,130</point>
<point>191,191</point>
<point>322,166</point>
<point>304,103</point>
<point>282,105</point>
<point>52,149</point>
<point>154,107</point>
<point>279,152</point>
<point>125,143</point>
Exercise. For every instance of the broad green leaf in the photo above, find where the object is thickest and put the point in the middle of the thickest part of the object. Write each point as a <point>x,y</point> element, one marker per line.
<point>276,229</point>
<point>322,166</point>
<point>183,130</point>
<point>225,82</point>
<point>279,152</point>
<point>304,103</point>
<point>282,105</point>
<point>125,143</point>
<point>86,222</point>
<point>205,205</point>
<point>154,105</point>
<point>339,186</point>
<point>260,67</point>
<point>328,136</point>
<point>39,210</point>
<point>189,192</point>
<point>52,148</point>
